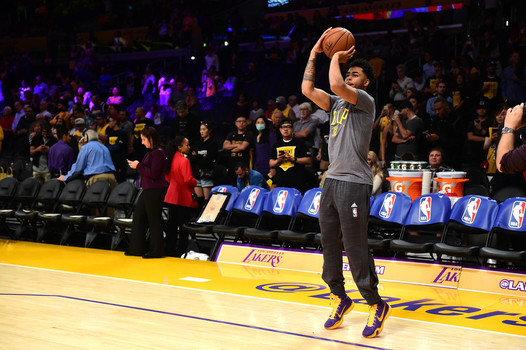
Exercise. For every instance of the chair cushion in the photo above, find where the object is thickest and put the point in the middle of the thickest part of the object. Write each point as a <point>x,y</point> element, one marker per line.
<point>443,248</point>
<point>292,236</point>
<point>405,246</point>
<point>254,233</point>
<point>506,255</point>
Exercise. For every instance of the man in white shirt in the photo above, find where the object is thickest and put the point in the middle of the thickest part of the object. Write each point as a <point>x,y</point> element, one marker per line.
<point>400,86</point>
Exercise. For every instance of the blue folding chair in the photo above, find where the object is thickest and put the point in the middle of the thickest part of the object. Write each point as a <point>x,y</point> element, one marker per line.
<point>278,214</point>
<point>424,225</point>
<point>386,218</point>
<point>506,241</point>
<point>306,222</point>
<point>471,219</point>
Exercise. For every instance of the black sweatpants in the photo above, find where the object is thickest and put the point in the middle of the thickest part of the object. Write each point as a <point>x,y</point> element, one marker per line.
<point>344,215</point>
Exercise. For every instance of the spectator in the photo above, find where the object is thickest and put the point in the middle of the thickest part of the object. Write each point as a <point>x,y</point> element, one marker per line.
<point>305,127</point>
<point>441,90</point>
<point>19,113</point>
<point>79,128</point>
<point>447,132</point>
<point>21,140</point>
<point>93,162</point>
<point>39,149</point>
<point>62,114</point>
<point>264,141</point>
<point>281,105</point>
<point>6,122</point>
<point>513,80</point>
<point>293,104</point>
<point>241,106</point>
<point>290,156</point>
<point>44,113</point>
<point>255,112</point>
<point>185,124</point>
<point>432,82</point>
<point>269,112</point>
<point>477,131</point>
<point>61,156</point>
<point>437,161</point>
<point>378,174</point>
<point>105,81</point>
<point>238,143</point>
<point>179,196</point>
<point>41,89</point>
<point>140,123</point>
<point>400,86</point>
<point>511,160</point>
<point>115,98</point>
<point>177,94</point>
<point>147,215</point>
<point>408,131</point>
<point>247,177</point>
<point>117,142</point>
<point>127,126</point>
<point>205,153</point>
<point>101,126</point>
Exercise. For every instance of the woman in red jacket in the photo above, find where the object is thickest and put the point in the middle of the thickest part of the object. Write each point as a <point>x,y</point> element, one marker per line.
<point>148,211</point>
<point>179,196</point>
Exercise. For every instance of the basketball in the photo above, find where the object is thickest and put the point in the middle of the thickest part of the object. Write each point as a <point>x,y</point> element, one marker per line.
<point>337,39</point>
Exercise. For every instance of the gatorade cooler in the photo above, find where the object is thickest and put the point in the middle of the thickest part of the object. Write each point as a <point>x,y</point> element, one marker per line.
<point>451,182</point>
<point>407,182</point>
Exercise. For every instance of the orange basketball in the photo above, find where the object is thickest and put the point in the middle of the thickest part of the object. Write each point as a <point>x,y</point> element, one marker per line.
<point>337,39</point>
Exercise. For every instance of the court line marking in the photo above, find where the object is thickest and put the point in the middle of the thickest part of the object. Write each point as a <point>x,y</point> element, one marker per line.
<point>193,318</point>
<point>261,298</point>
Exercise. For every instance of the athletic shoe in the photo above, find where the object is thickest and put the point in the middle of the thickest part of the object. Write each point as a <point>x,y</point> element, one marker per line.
<point>340,307</point>
<point>378,313</point>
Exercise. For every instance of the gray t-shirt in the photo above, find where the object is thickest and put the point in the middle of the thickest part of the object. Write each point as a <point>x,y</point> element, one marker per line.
<point>350,134</point>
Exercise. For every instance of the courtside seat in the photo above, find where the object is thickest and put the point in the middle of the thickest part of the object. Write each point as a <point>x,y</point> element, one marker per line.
<point>47,200</point>
<point>8,187</point>
<point>278,214</point>
<point>471,219</point>
<point>386,218</point>
<point>306,222</point>
<point>120,204</point>
<point>424,225</point>
<point>94,200</point>
<point>24,199</point>
<point>507,240</point>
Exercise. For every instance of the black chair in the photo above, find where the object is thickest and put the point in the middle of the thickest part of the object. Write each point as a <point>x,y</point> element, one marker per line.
<point>25,198</point>
<point>386,219</point>
<point>68,202</point>
<point>506,242</point>
<point>8,188</point>
<point>306,222</point>
<point>46,201</point>
<point>477,189</point>
<point>94,200</point>
<point>477,176</point>
<point>121,203</point>
<point>278,214</point>
<point>508,192</point>
<point>471,220</point>
<point>424,225</point>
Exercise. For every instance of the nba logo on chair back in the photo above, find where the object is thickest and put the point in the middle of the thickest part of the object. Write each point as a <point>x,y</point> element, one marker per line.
<point>425,209</point>
<point>221,189</point>
<point>517,214</point>
<point>315,205</point>
<point>471,210</point>
<point>280,201</point>
<point>251,200</point>
<point>387,205</point>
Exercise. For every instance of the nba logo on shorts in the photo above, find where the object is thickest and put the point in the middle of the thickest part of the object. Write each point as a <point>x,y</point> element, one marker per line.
<point>387,205</point>
<point>517,214</point>
<point>221,189</point>
<point>280,202</point>
<point>470,213</point>
<point>251,200</point>
<point>425,209</point>
<point>315,205</point>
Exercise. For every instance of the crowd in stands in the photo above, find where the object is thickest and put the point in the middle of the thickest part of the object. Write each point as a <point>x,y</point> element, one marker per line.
<point>246,120</point>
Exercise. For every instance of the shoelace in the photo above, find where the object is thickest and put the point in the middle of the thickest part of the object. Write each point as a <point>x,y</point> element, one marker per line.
<point>372,315</point>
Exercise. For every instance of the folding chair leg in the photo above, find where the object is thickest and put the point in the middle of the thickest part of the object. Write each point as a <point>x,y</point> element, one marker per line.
<point>90,237</point>
<point>217,244</point>
<point>65,235</point>
<point>116,239</point>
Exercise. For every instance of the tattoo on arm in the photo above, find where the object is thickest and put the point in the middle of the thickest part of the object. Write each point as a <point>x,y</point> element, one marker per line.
<point>310,70</point>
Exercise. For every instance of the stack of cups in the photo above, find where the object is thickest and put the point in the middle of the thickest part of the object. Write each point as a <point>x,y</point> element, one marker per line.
<point>426,181</point>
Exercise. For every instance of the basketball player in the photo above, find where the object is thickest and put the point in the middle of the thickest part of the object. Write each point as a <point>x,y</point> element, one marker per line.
<point>345,199</point>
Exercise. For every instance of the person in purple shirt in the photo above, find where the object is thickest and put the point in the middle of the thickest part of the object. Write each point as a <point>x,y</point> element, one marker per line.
<point>148,211</point>
<point>60,156</point>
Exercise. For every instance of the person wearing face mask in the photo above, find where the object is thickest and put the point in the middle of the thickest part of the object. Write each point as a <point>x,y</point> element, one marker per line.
<point>263,145</point>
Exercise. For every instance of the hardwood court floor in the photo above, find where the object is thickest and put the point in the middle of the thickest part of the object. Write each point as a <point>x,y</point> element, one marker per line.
<point>56,297</point>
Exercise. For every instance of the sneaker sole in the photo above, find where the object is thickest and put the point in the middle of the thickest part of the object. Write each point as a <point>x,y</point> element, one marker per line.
<point>337,324</point>
<point>379,330</point>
